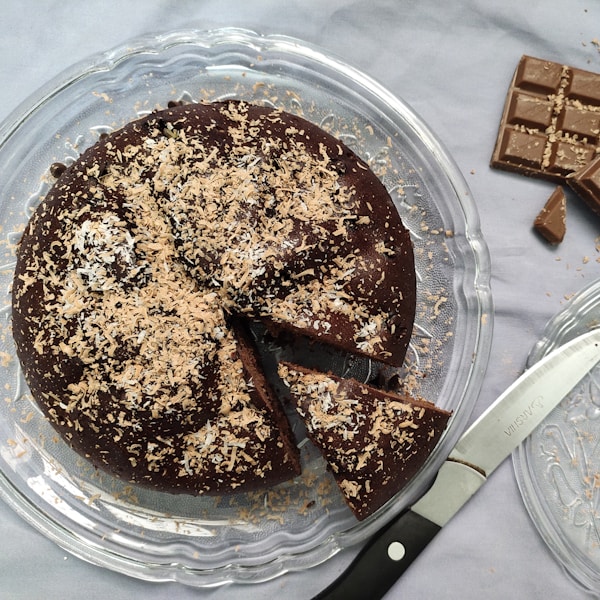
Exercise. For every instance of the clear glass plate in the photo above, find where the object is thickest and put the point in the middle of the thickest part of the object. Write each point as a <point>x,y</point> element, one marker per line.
<point>558,466</point>
<point>253,537</point>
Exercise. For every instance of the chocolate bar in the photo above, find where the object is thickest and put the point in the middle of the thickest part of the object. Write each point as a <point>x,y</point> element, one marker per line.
<point>586,182</point>
<point>552,219</point>
<point>550,125</point>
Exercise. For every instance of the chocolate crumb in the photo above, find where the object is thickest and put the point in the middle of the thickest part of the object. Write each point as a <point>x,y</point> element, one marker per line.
<point>57,169</point>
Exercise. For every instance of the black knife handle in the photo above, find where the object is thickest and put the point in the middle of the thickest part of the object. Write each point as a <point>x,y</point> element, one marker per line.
<point>380,563</point>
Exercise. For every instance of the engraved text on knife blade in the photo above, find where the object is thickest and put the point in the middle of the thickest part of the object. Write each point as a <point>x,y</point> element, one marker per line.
<point>521,419</point>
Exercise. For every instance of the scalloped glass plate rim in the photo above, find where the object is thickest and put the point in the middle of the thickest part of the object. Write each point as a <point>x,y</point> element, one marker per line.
<point>571,321</point>
<point>475,357</point>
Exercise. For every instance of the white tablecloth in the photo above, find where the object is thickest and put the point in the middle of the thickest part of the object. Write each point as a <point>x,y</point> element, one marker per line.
<point>452,62</point>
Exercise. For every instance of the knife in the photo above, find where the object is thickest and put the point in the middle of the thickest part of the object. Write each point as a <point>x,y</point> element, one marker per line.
<point>484,445</point>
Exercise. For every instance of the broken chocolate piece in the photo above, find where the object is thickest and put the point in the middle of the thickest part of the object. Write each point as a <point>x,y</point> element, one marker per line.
<point>552,220</point>
<point>586,182</point>
<point>550,125</point>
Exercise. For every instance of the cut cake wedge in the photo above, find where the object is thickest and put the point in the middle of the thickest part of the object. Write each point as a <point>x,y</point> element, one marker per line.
<point>373,441</point>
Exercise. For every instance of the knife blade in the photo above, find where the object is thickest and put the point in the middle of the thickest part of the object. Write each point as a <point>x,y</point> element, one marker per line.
<point>484,445</point>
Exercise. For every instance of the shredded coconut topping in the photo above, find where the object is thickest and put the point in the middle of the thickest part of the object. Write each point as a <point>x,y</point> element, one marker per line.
<point>133,267</point>
<point>373,441</point>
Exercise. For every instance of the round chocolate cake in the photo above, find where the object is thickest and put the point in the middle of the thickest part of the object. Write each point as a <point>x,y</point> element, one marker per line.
<point>138,272</point>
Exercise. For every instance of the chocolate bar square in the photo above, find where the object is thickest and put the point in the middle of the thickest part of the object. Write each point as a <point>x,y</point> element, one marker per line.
<point>550,126</point>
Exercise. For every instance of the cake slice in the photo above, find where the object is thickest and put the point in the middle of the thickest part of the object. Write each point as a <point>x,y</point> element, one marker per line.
<point>373,441</point>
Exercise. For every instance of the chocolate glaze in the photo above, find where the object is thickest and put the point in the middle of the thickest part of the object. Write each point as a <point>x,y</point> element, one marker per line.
<point>136,267</point>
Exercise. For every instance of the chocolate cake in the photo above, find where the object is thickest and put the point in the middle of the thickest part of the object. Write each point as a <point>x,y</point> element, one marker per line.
<point>138,270</point>
<point>373,441</point>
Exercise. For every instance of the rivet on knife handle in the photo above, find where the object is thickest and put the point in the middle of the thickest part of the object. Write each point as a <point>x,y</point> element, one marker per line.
<point>382,561</point>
